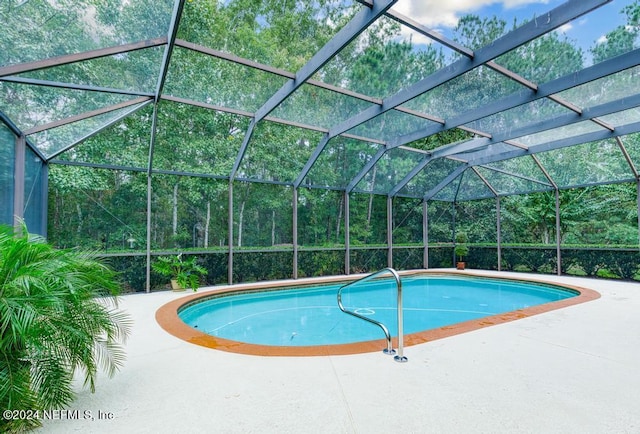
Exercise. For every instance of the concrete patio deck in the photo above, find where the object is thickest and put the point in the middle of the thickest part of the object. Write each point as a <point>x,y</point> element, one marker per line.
<point>573,370</point>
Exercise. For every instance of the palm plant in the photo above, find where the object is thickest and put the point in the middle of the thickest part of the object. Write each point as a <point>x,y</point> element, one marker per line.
<point>58,316</point>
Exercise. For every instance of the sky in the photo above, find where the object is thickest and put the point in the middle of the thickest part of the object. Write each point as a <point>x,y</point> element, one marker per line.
<point>443,15</point>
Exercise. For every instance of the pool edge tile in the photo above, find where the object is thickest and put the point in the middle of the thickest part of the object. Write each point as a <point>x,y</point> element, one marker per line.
<point>167,317</point>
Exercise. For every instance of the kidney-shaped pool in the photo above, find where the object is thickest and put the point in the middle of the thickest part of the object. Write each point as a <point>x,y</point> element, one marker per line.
<point>308,317</point>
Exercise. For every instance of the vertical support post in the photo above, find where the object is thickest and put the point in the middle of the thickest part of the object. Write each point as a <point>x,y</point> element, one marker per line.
<point>558,255</point>
<point>295,232</point>
<point>152,144</point>
<point>347,240</point>
<point>389,232</point>
<point>425,234</point>
<point>18,180</point>
<point>498,234</point>
<point>148,247</point>
<point>230,237</point>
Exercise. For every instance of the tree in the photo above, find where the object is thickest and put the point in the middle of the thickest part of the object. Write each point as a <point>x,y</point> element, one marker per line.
<point>622,39</point>
<point>58,316</point>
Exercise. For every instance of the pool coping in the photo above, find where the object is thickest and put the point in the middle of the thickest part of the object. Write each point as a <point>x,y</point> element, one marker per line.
<point>167,317</point>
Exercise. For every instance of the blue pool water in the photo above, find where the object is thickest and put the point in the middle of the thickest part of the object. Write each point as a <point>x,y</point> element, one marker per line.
<point>310,315</point>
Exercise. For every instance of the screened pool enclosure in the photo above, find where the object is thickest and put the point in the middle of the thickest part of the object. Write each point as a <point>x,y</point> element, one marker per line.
<point>280,138</point>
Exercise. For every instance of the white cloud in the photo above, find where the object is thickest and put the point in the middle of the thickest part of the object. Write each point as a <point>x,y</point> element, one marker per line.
<point>509,4</point>
<point>446,13</point>
<point>417,38</point>
<point>564,29</point>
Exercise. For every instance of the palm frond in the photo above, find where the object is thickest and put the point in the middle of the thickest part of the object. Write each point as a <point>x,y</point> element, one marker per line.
<point>57,316</point>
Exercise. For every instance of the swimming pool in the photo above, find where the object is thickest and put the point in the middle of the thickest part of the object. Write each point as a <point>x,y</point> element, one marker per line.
<point>308,317</point>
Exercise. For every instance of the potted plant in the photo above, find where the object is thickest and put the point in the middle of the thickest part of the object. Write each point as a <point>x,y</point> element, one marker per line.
<point>183,273</point>
<point>461,250</point>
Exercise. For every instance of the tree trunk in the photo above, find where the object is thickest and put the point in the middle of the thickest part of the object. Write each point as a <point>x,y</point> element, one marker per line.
<point>206,225</point>
<point>79,211</point>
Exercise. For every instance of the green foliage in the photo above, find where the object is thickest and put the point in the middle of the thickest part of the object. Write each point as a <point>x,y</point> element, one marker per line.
<point>102,209</point>
<point>528,259</point>
<point>603,262</point>
<point>258,266</point>
<point>622,39</point>
<point>593,215</point>
<point>58,317</point>
<point>408,258</point>
<point>368,260</point>
<point>320,263</point>
<point>129,272</point>
<point>186,272</point>
<point>484,258</point>
<point>537,60</point>
<point>386,66</point>
<point>440,257</point>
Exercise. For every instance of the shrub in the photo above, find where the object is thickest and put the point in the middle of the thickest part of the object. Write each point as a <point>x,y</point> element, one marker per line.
<point>58,316</point>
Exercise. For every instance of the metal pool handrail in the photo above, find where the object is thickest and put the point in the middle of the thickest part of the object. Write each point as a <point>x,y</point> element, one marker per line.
<point>389,350</point>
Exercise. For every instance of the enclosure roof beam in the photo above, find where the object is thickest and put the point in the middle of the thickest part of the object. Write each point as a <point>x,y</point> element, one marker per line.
<point>544,171</point>
<point>485,181</point>
<point>600,70</point>
<point>516,175</point>
<point>168,51</point>
<point>623,130</point>
<point>9,123</point>
<point>367,167</point>
<point>243,148</point>
<point>572,118</point>
<point>233,58</point>
<point>348,33</point>
<point>96,131</point>
<point>172,33</point>
<point>76,118</point>
<point>14,128</point>
<point>79,57</point>
<point>414,172</point>
<point>98,165</point>
<point>311,161</point>
<point>443,151</point>
<point>281,72</point>
<point>72,86</point>
<point>537,127</point>
<point>276,71</point>
<point>525,33</point>
<point>453,175</point>
<point>627,157</point>
<point>404,20</point>
<point>268,118</point>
